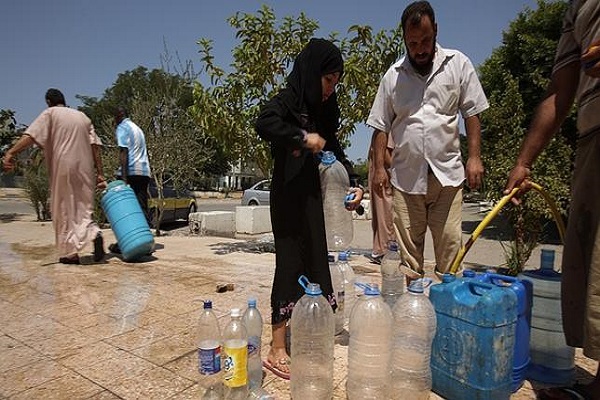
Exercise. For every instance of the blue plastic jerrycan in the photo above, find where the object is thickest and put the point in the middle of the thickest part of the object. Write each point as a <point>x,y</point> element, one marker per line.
<point>473,349</point>
<point>524,291</point>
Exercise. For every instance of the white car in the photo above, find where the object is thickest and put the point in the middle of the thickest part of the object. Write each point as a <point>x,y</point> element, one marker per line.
<point>257,195</point>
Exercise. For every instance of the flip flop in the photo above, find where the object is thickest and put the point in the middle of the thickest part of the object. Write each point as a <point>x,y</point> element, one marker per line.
<point>575,392</point>
<point>374,259</point>
<point>275,368</point>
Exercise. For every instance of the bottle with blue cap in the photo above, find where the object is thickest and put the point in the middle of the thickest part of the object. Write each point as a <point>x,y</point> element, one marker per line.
<point>209,353</point>
<point>335,183</point>
<point>392,279</point>
<point>552,360</point>
<point>339,290</point>
<point>414,328</point>
<point>350,290</point>
<point>369,346</point>
<point>312,328</point>
<point>254,324</point>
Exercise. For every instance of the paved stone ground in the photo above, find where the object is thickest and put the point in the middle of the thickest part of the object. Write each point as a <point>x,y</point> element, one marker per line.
<point>117,330</point>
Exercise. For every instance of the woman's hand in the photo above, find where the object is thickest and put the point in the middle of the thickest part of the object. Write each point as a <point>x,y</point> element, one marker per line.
<point>314,142</point>
<point>354,197</point>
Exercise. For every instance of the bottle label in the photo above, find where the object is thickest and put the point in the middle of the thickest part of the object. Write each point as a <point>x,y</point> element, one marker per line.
<point>209,358</point>
<point>235,363</point>
<point>253,345</point>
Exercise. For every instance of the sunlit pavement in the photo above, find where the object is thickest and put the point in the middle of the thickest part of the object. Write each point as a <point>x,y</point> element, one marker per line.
<point>117,330</point>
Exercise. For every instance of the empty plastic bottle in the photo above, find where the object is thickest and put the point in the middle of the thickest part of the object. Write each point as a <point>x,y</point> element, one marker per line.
<point>413,332</point>
<point>334,187</point>
<point>209,353</point>
<point>392,279</point>
<point>260,394</point>
<point>312,329</point>
<point>235,358</point>
<point>254,324</point>
<point>339,289</point>
<point>350,290</point>
<point>369,347</point>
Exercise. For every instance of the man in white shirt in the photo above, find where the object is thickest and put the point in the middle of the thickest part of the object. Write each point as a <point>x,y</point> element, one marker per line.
<point>416,114</point>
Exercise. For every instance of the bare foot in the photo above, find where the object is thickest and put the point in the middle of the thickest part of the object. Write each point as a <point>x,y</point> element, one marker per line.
<point>279,359</point>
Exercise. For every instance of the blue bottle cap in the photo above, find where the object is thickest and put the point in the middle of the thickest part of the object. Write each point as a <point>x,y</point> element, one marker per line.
<point>393,245</point>
<point>252,302</point>
<point>331,258</point>
<point>468,273</point>
<point>207,304</point>
<point>342,256</point>
<point>327,157</point>
<point>419,285</point>
<point>312,289</point>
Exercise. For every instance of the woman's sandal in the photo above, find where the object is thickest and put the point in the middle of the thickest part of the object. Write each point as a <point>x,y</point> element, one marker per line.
<point>276,367</point>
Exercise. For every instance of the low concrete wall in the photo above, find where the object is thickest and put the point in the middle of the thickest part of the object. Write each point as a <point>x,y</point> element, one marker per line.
<point>213,223</point>
<point>252,219</point>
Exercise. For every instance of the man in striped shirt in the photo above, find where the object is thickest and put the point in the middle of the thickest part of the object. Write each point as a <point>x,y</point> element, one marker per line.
<point>134,166</point>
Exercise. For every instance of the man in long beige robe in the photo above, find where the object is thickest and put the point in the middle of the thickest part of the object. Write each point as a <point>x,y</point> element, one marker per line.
<point>71,149</point>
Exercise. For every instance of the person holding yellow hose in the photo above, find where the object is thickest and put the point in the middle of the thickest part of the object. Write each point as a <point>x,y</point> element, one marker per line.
<point>575,77</point>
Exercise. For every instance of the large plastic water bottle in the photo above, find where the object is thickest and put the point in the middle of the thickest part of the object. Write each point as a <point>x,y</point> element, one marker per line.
<point>392,279</point>
<point>369,347</point>
<point>339,289</point>
<point>413,332</point>
<point>552,360</point>
<point>312,326</point>
<point>254,324</point>
<point>334,187</point>
<point>350,290</point>
<point>209,353</point>
<point>235,357</point>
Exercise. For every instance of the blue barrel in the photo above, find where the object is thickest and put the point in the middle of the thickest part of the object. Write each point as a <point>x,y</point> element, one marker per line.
<point>552,360</point>
<point>127,220</point>
<point>473,349</point>
<point>524,291</point>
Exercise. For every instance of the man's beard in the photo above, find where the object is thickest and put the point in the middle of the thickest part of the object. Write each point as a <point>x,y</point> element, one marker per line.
<point>422,68</point>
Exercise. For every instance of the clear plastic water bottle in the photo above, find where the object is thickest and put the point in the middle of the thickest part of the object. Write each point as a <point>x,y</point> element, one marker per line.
<point>334,188</point>
<point>235,358</point>
<point>260,394</point>
<point>350,290</point>
<point>312,328</point>
<point>339,289</point>
<point>392,279</point>
<point>254,324</point>
<point>369,347</point>
<point>209,353</point>
<point>413,332</point>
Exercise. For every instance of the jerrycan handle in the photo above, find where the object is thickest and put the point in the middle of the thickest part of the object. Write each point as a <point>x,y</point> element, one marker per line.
<point>303,281</point>
<point>474,285</point>
<point>503,279</point>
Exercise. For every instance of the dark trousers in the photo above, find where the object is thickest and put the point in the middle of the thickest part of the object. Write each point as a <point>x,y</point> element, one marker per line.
<point>139,184</point>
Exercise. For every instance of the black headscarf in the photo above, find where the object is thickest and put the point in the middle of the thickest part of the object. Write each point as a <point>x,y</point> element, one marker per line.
<point>319,57</point>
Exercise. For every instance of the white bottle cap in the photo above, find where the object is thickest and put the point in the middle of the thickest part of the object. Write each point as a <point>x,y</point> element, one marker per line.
<point>236,312</point>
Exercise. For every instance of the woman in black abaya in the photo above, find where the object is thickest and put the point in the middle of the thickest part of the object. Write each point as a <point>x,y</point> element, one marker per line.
<point>299,122</point>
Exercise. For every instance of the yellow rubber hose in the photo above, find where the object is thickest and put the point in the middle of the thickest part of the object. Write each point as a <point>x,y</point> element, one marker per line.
<point>492,214</point>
